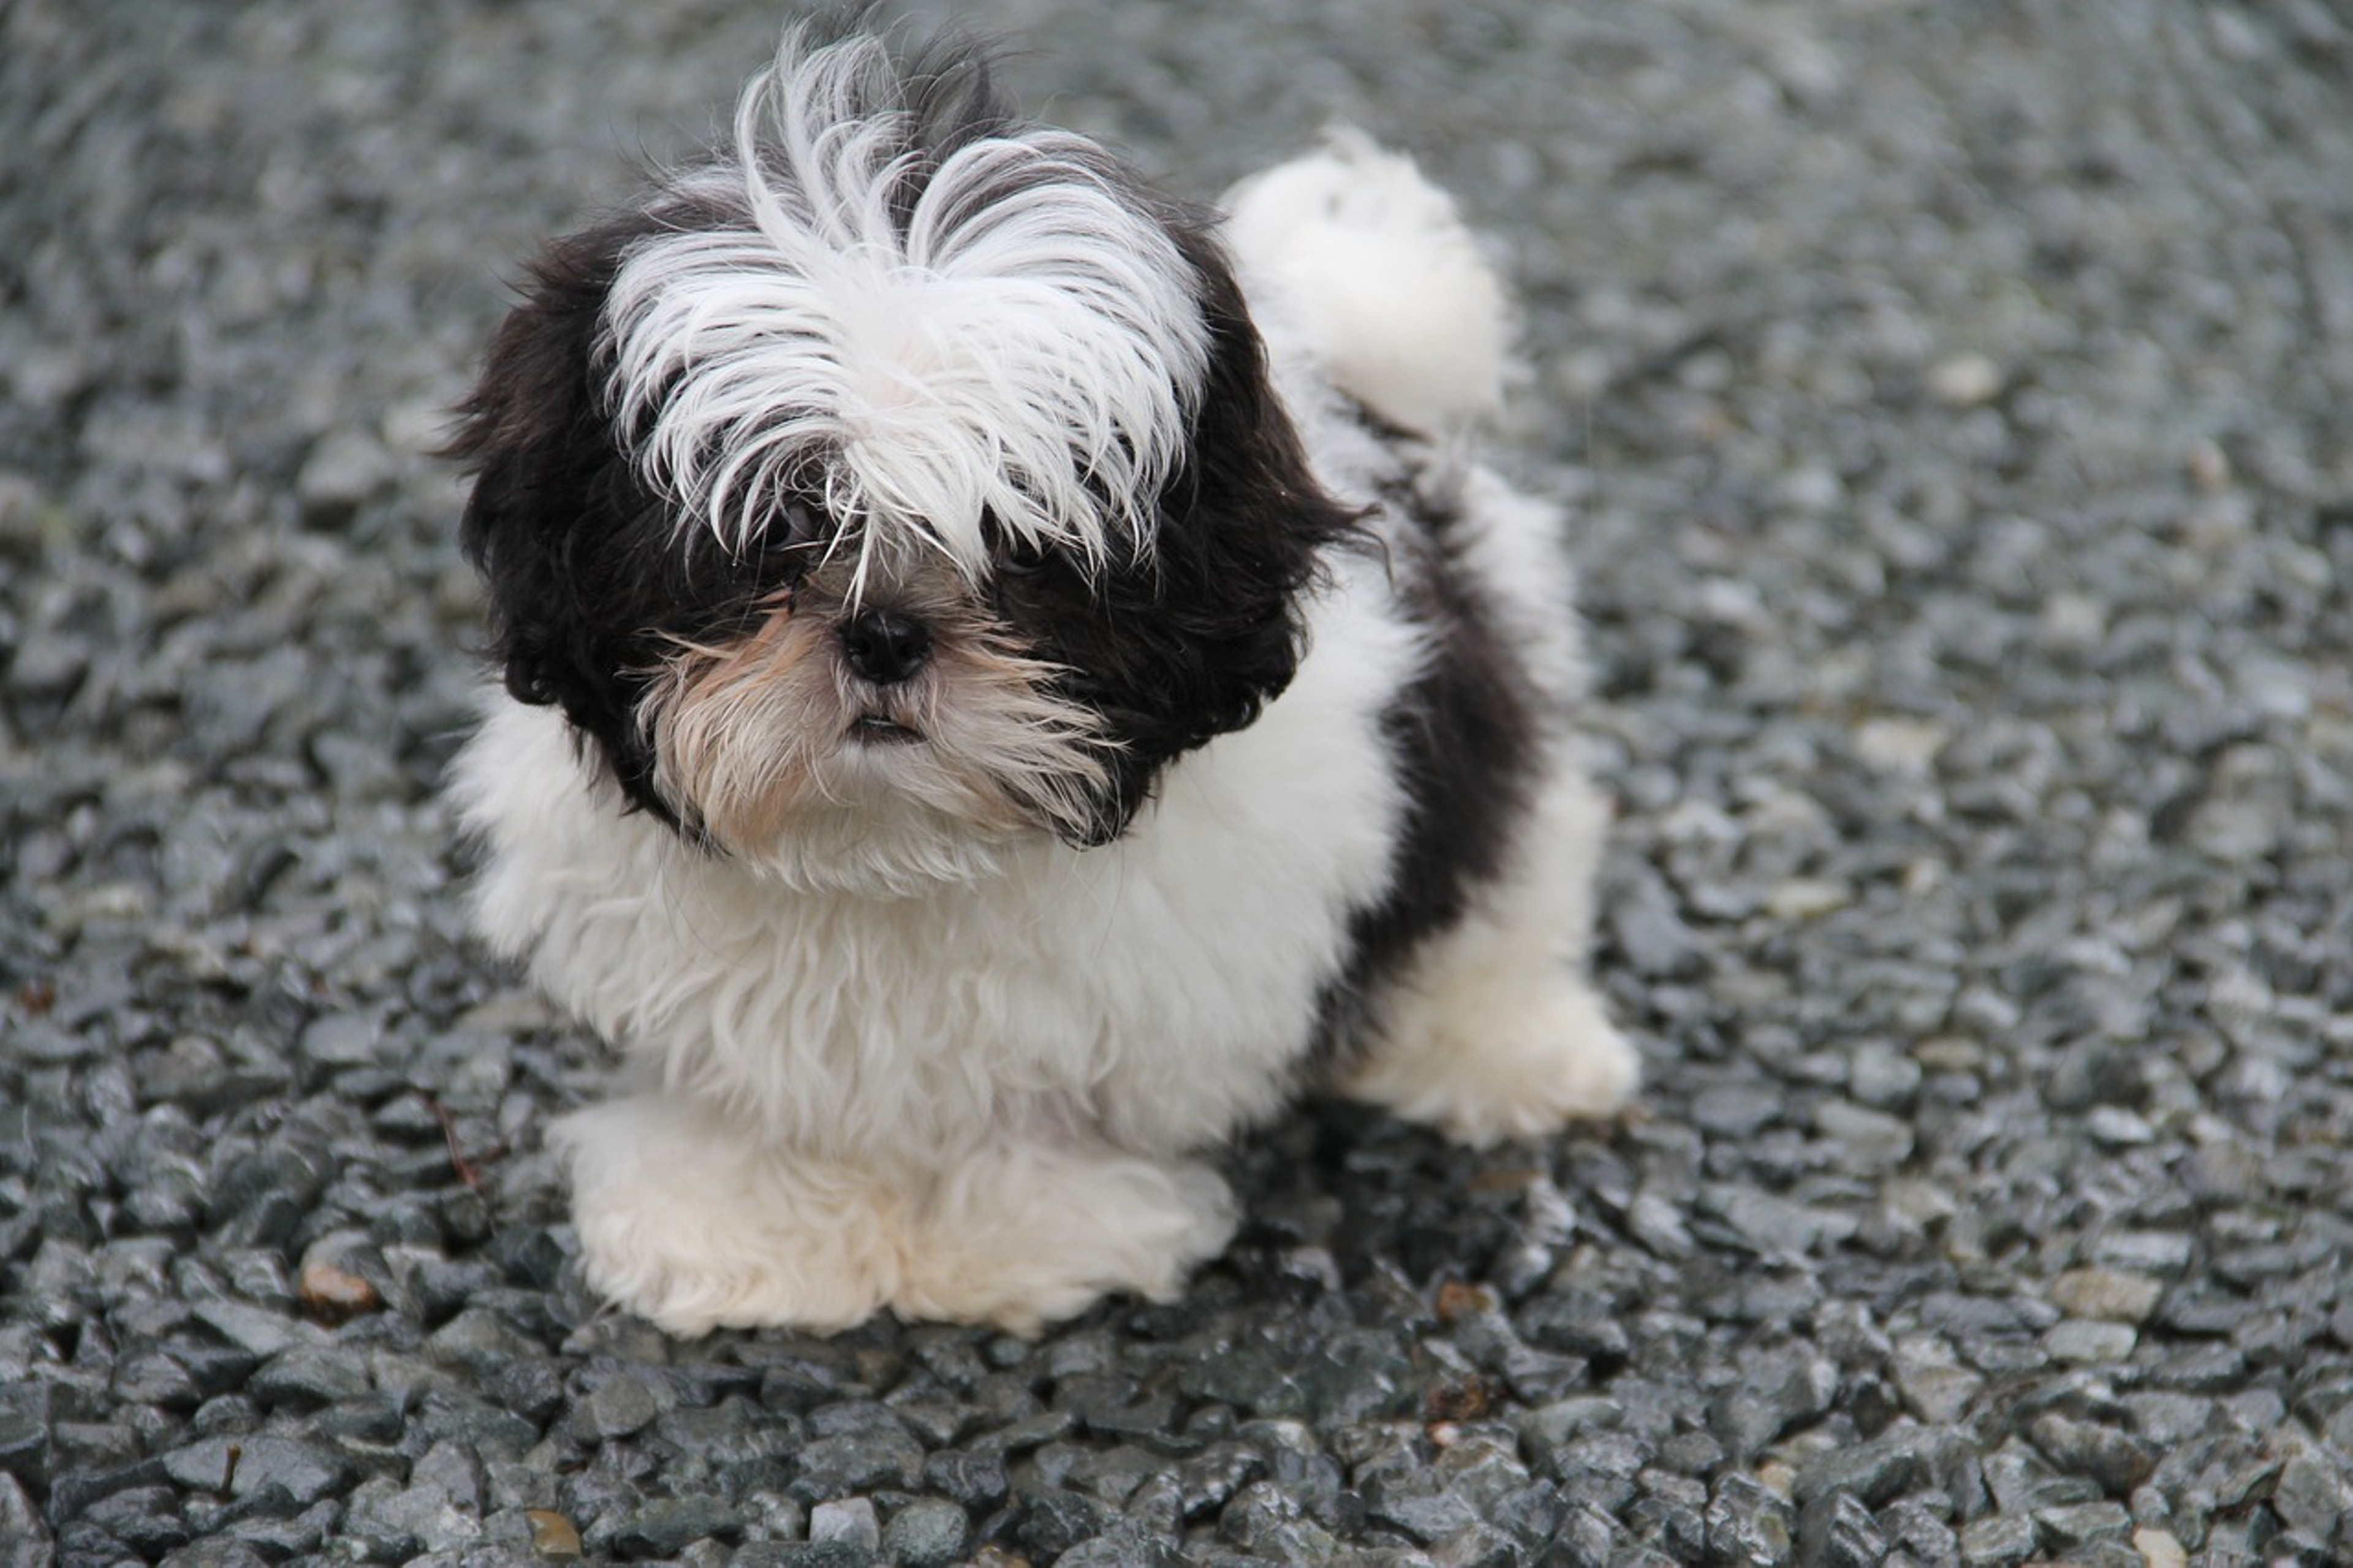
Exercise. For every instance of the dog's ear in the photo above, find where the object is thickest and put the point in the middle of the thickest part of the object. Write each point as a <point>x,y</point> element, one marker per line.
<point>1192,638</point>
<point>557,518</point>
<point>1246,525</point>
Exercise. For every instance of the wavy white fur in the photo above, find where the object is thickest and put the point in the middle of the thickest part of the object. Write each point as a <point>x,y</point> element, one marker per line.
<point>1022,347</point>
<point>987,1099</point>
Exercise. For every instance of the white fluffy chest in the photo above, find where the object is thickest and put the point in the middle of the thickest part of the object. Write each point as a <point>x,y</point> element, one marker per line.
<point>1162,986</point>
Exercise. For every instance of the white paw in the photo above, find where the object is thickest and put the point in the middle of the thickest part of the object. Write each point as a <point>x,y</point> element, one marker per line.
<point>1494,1065</point>
<point>684,1222</point>
<point>1026,1235</point>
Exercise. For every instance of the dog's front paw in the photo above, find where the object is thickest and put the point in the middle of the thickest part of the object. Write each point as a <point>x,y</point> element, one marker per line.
<point>1026,1235</point>
<point>686,1222</point>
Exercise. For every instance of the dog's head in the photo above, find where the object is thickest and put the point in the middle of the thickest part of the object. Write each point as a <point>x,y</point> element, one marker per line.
<point>901,479</point>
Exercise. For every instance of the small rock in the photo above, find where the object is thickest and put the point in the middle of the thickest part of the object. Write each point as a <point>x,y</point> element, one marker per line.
<point>2108,1295</point>
<point>1934,1385</point>
<point>306,1376</point>
<point>1420,1505</point>
<point>2075,1525</point>
<point>146,1518</point>
<point>333,1296</point>
<point>2090,1343</point>
<point>1875,1140</point>
<point>859,1463</point>
<point>1775,1225</point>
<point>1650,931</point>
<point>1877,1472</point>
<point>150,1375</point>
<point>1736,1110</point>
<point>928,1532</point>
<point>1964,380</point>
<point>1998,1542</point>
<point>1748,1522</point>
<point>850,1519</point>
<point>342,1040</point>
<point>2118,1128</point>
<point>665,1526</point>
<point>1552,1425</point>
<point>2160,1252</point>
<point>1268,1523</point>
<point>1882,1077</point>
<point>242,1467</point>
<point>614,1409</point>
<point>1780,1389</point>
<point>377,1419</point>
<point>1476,1546</point>
<point>1657,1222</point>
<point>553,1536</point>
<point>343,469</point>
<point>21,1526</point>
<point>1807,897</point>
<point>1900,745</point>
<point>1206,1480</point>
<point>24,1417</point>
<point>1837,1530</point>
<point>1053,1522</point>
<point>975,1480</point>
<point>2312,1495</point>
<point>253,1329</point>
<point>2118,1460</point>
<point>401,1523</point>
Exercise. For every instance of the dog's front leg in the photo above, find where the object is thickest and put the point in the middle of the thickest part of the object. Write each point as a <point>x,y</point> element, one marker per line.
<point>689,1218</point>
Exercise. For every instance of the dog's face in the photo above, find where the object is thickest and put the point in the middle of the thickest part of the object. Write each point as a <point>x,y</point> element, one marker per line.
<point>902,481</point>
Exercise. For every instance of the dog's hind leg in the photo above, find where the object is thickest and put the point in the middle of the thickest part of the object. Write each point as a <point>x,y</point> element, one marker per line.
<point>1492,1031</point>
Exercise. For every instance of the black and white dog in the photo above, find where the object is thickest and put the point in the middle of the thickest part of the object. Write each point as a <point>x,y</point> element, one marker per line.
<point>1006,678</point>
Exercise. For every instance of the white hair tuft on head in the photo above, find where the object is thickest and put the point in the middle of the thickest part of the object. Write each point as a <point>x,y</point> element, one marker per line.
<point>935,328</point>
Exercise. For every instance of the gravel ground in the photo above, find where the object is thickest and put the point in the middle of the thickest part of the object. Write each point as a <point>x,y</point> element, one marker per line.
<point>1958,402</point>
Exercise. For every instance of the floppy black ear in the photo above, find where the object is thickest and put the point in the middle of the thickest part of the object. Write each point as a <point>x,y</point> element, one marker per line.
<point>557,523</point>
<point>1245,526</point>
<point>1193,638</point>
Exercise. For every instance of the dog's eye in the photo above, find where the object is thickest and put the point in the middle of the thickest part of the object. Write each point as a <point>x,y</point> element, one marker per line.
<point>795,526</point>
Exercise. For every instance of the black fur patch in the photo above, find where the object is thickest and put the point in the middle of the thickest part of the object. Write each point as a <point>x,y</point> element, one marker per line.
<point>1191,641</point>
<point>1464,739</point>
<point>589,577</point>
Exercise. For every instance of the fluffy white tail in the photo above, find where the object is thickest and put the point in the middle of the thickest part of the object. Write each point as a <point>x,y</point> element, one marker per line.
<point>1373,264</point>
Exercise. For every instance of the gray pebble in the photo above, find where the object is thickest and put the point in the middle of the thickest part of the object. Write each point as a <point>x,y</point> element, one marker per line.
<point>665,1527</point>
<point>928,1532</point>
<point>306,1376</point>
<point>303,1471</point>
<point>1837,1530</point>
<point>1998,1541</point>
<point>850,1519</point>
<point>838,1466</point>
<point>1778,1391</point>
<point>616,1408</point>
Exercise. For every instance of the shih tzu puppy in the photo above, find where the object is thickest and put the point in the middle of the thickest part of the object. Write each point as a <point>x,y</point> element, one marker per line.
<point>1006,678</point>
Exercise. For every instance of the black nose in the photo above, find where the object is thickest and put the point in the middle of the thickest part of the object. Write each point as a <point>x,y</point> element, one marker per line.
<point>885,646</point>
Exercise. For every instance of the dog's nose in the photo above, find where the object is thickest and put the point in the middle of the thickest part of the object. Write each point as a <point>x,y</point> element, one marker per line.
<point>885,646</point>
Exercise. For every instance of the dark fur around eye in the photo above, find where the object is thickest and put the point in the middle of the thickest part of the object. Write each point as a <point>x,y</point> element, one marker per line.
<point>592,578</point>
<point>1190,641</point>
